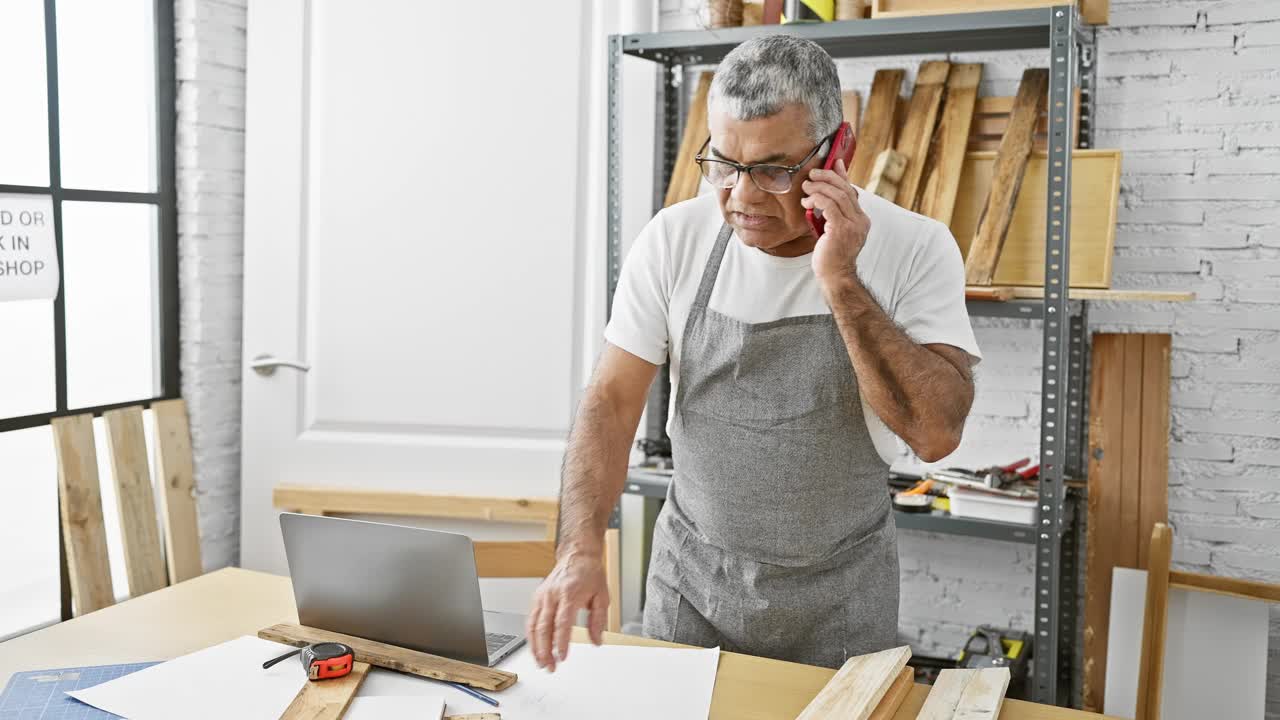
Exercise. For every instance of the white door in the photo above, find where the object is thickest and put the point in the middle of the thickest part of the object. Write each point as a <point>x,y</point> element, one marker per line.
<point>414,232</point>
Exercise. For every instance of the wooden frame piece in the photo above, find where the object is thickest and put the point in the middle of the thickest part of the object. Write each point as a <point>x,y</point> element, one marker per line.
<point>1095,200</point>
<point>858,686</point>
<point>1154,624</point>
<point>178,503</point>
<point>139,531</point>
<point>1007,174</point>
<point>878,124</point>
<point>80,510</point>
<point>395,658</point>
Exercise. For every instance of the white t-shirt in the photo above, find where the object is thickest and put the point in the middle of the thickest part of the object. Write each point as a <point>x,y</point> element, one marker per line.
<point>910,264</point>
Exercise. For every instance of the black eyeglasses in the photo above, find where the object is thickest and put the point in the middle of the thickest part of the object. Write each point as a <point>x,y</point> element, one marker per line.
<point>776,179</point>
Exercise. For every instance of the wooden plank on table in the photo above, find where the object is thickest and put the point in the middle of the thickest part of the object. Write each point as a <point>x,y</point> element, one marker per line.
<point>685,175</point>
<point>1095,199</point>
<point>139,531</point>
<point>514,559</point>
<point>342,500</point>
<point>858,686</point>
<point>1154,621</point>
<point>877,131</point>
<point>1153,453</point>
<point>1106,438</point>
<point>851,105</point>
<point>80,511</point>
<point>983,695</point>
<point>917,131</point>
<point>178,503</point>
<point>893,698</point>
<point>395,658</point>
<point>945,694</point>
<point>937,195</point>
<point>1006,179</point>
<point>326,699</point>
<point>1127,554</point>
<point>886,173</point>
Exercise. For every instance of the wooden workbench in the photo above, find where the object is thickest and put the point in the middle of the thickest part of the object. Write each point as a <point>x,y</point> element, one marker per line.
<point>232,602</point>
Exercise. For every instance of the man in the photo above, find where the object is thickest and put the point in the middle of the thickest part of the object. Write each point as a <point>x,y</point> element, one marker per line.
<point>795,360</point>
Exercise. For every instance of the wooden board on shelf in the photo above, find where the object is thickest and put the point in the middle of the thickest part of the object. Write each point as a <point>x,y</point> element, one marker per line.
<point>991,119</point>
<point>878,124</point>
<point>685,175</point>
<point>1028,292</point>
<point>1007,175</point>
<point>937,195</point>
<point>916,132</point>
<point>1128,410</point>
<point>1095,197</point>
<point>1094,12</point>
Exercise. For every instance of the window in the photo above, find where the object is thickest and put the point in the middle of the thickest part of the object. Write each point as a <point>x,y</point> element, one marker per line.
<point>87,140</point>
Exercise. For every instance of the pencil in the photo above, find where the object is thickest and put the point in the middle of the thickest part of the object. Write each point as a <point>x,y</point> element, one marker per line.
<point>473,693</point>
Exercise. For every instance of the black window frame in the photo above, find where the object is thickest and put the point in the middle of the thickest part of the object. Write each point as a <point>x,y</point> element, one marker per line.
<point>164,198</point>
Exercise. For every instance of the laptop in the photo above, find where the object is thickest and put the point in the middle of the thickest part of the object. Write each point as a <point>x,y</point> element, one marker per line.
<point>400,585</point>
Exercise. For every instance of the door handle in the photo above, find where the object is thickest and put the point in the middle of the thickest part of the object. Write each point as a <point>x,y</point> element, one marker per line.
<point>265,365</point>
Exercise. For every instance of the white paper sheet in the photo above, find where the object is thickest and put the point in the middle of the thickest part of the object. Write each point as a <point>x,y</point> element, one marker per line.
<point>1215,659</point>
<point>422,707</point>
<point>220,682</point>
<point>615,681</point>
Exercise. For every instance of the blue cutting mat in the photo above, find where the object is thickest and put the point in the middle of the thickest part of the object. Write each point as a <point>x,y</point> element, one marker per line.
<point>40,694</point>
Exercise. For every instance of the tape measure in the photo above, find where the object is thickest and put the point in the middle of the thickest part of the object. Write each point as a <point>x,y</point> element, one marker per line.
<point>322,661</point>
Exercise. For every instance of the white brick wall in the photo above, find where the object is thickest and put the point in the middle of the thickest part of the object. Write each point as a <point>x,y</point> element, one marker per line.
<point>210,179</point>
<point>1190,91</point>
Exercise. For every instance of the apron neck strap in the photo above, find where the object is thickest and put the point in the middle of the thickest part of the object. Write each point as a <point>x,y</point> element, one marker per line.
<point>709,273</point>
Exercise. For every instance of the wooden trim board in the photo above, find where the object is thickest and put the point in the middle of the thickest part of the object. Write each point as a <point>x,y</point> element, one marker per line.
<point>1095,199</point>
<point>176,470</point>
<point>1030,292</point>
<point>1154,622</point>
<point>991,119</point>
<point>135,499</point>
<point>1006,180</point>
<point>327,699</point>
<point>851,105</point>
<point>80,511</point>
<point>1235,587</point>
<point>395,658</point>
<point>858,686</point>
<point>893,698</point>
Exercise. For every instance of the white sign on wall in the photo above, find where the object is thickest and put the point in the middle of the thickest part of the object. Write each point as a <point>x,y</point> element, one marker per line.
<point>28,256</point>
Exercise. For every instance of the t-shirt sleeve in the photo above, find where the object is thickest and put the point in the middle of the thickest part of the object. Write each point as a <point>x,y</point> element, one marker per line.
<point>639,320</point>
<point>932,309</point>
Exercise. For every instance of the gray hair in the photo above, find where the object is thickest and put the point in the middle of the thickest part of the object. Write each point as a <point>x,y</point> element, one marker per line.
<point>760,76</point>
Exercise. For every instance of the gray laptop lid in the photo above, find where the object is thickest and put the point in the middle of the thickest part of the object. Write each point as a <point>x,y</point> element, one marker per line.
<point>395,584</point>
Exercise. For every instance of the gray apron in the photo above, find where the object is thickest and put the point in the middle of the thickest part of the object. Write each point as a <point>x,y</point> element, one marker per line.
<point>777,537</point>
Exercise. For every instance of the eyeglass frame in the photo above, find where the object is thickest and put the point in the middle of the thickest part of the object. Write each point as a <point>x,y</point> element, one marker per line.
<point>791,170</point>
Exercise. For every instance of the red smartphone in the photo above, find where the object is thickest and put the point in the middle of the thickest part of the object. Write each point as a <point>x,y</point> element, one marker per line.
<point>842,146</point>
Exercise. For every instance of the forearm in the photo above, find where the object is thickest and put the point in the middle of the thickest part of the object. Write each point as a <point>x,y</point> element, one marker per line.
<point>595,468</point>
<point>921,396</point>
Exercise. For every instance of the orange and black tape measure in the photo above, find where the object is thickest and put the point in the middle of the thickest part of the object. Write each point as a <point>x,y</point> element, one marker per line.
<point>322,661</point>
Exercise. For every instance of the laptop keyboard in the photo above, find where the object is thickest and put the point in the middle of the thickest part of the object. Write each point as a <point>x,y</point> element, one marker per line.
<point>496,641</point>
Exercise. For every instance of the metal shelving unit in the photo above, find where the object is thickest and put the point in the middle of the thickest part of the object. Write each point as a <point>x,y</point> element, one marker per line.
<point>1065,349</point>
